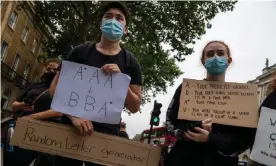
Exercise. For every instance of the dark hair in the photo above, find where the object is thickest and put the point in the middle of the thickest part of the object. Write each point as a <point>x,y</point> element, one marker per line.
<point>117,5</point>
<point>52,60</point>
<point>216,41</point>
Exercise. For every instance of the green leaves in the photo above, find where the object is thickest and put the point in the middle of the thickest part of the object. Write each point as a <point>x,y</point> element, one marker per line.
<point>175,23</point>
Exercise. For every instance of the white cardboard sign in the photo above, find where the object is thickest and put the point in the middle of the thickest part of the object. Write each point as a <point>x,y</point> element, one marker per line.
<point>264,149</point>
<point>85,91</point>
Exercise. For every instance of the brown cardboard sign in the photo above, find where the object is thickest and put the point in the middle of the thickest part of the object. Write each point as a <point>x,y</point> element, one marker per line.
<point>233,104</point>
<point>99,148</point>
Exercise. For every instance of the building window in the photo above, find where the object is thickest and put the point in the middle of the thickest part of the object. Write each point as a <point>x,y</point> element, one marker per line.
<point>26,74</point>
<point>13,19</point>
<point>5,98</point>
<point>15,65</point>
<point>4,49</point>
<point>25,34</point>
<point>34,45</point>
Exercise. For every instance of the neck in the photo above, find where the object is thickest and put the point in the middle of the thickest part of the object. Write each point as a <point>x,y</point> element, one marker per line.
<point>109,45</point>
<point>219,78</point>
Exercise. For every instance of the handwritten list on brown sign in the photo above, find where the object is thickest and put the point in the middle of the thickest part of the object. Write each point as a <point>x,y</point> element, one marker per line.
<point>233,104</point>
<point>99,148</point>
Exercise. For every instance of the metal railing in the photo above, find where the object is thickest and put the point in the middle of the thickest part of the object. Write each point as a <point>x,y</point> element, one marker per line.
<point>10,74</point>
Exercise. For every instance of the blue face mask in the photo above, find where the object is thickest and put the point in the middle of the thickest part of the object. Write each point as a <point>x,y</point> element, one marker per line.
<point>112,30</point>
<point>216,65</point>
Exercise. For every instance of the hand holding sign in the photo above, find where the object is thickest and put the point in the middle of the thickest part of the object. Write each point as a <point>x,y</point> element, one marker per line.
<point>86,92</point>
<point>111,68</point>
<point>202,136</point>
<point>207,124</point>
<point>83,125</point>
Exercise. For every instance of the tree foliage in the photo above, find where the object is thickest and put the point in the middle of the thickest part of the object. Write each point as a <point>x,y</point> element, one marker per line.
<point>137,137</point>
<point>177,24</point>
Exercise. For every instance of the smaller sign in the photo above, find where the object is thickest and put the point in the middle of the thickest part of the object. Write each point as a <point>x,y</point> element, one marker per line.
<point>234,104</point>
<point>99,148</point>
<point>264,149</point>
<point>86,92</point>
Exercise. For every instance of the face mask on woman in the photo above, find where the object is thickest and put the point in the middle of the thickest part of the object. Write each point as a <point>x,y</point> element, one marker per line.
<point>48,77</point>
<point>112,30</point>
<point>216,65</point>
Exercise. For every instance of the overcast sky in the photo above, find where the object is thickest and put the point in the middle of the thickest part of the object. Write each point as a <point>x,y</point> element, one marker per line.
<point>250,32</point>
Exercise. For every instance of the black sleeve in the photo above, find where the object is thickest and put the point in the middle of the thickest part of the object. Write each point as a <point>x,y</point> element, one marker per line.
<point>136,75</point>
<point>24,93</point>
<point>173,108</point>
<point>237,141</point>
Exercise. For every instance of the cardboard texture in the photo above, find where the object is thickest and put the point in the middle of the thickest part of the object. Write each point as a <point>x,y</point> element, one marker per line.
<point>233,104</point>
<point>100,148</point>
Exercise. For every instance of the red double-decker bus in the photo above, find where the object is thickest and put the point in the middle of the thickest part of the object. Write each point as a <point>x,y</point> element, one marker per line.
<point>160,136</point>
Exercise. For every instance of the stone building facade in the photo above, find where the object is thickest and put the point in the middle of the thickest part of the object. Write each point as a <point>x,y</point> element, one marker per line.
<point>21,43</point>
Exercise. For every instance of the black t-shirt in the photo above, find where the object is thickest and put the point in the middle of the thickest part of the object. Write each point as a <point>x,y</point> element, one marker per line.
<point>98,59</point>
<point>42,103</point>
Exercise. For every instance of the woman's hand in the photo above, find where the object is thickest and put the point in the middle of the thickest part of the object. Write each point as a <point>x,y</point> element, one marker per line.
<point>27,107</point>
<point>207,124</point>
<point>22,106</point>
<point>202,136</point>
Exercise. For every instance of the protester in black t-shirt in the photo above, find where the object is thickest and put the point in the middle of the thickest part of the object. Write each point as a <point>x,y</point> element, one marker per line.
<point>35,103</point>
<point>213,144</point>
<point>111,58</point>
<point>123,132</point>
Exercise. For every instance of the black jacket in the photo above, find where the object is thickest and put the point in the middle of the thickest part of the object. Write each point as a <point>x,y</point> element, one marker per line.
<point>224,141</point>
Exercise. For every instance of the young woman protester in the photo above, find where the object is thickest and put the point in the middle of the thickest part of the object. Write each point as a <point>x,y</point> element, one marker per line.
<point>213,144</point>
<point>269,102</point>
<point>35,103</point>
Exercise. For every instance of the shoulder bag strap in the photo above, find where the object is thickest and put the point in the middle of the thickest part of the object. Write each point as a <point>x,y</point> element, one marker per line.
<point>39,96</point>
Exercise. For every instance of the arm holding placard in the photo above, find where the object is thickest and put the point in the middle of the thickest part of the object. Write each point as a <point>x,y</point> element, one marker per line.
<point>45,115</point>
<point>134,93</point>
<point>133,98</point>
<point>183,128</point>
<point>83,125</point>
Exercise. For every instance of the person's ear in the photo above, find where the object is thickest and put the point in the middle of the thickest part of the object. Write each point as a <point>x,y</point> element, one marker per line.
<point>229,60</point>
<point>125,30</point>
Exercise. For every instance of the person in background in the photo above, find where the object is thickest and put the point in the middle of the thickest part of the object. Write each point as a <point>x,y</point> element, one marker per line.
<point>269,102</point>
<point>123,132</point>
<point>111,58</point>
<point>34,103</point>
<point>210,144</point>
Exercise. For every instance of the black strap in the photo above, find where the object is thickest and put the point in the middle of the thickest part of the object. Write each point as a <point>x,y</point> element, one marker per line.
<point>88,47</point>
<point>128,55</point>
<point>83,55</point>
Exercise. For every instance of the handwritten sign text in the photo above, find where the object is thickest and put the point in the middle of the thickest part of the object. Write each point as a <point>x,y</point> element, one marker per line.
<point>85,91</point>
<point>226,103</point>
